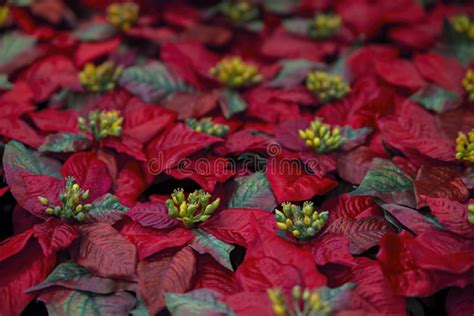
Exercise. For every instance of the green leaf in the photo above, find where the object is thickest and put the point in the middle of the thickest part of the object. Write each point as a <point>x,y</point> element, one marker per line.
<point>297,26</point>
<point>20,3</point>
<point>280,6</point>
<point>388,183</point>
<point>13,44</point>
<point>293,72</point>
<point>140,309</point>
<point>231,102</point>
<point>73,100</point>
<point>255,26</point>
<point>456,44</point>
<point>253,191</point>
<point>437,99</point>
<point>95,31</point>
<point>61,302</point>
<point>338,297</point>
<point>106,209</point>
<point>152,82</point>
<point>354,137</point>
<point>70,275</point>
<point>65,142</point>
<point>197,302</point>
<point>4,83</point>
<point>207,243</point>
<point>22,159</point>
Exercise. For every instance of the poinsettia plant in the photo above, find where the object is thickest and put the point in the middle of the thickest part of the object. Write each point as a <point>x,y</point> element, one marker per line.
<point>236,157</point>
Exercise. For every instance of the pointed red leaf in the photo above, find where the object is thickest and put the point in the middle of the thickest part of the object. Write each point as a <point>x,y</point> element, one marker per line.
<point>105,252</point>
<point>54,235</point>
<point>169,273</point>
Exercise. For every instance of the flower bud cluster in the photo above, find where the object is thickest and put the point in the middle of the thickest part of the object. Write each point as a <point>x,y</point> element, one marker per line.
<point>123,15</point>
<point>197,207</point>
<point>470,213</point>
<point>326,87</point>
<point>468,84</point>
<point>304,303</point>
<point>102,124</point>
<point>465,146</point>
<point>240,11</point>
<point>207,126</point>
<point>303,222</point>
<point>324,26</point>
<point>71,206</point>
<point>463,24</point>
<point>100,78</point>
<point>235,73</point>
<point>321,137</point>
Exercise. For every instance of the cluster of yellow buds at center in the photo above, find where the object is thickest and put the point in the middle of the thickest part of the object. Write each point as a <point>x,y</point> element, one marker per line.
<point>102,124</point>
<point>326,87</point>
<point>470,213</point>
<point>4,14</point>
<point>322,137</point>
<point>303,222</point>
<point>207,126</point>
<point>463,24</point>
<point>324,26</point>
<point>468,84</point>
<point>196,208</point>
<point>465,146</point>
<point>100,78</point>
<point>235,73</point>
<point>305,303</point>
<point>240,11</point>
<point>123,15</point>
<point>71,206</point>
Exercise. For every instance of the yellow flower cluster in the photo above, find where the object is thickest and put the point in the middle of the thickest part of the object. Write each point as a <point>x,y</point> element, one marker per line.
<point>207,126</point>
<point>324,26</point>
<point>102,124</point>
<point>321,137</point>
<point>303,222</point>
<point>4,14</point>
<point>470,213</point>
<point>100,78</point>
<point>123,15</point>
<point>327,87</point>
<point>240,11</point>
<point>196,208</point>
<point>468,84</point>
<point>465,146</point>
<point>463,24</point>
<point>310,301</point>
<point>71,202</point>
<point>235,73</point>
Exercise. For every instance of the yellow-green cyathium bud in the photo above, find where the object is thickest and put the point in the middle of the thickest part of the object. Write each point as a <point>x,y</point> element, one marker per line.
<point>197,207</point>
<point>235,73</point>
<point>324,26</point>
<point>71,202</point>
<point>305,302</point>
<point>123,15</point>
<point>303,222</point>
<point>326,87</point>
<point>468,84</point>
<point>102,124</point>
<point>240,11</point>
<point>322,137</point>
<point>470,213</point>
<point>100,78</point>
<point>465,146</point>
<point>4,14</point>
<point>207,126</point>
<point>463,24</point>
